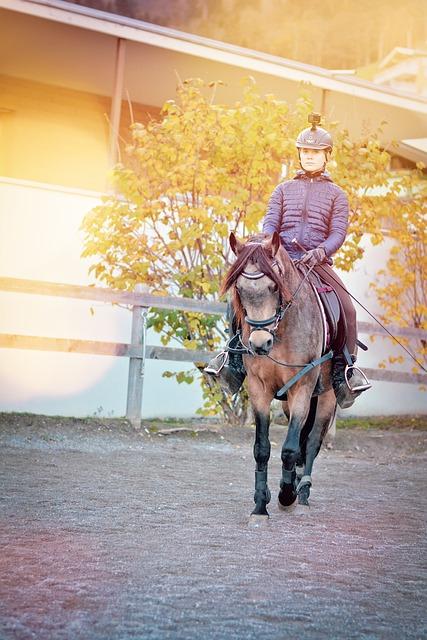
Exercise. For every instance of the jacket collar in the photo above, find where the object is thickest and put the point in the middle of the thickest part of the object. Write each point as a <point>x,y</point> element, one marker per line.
<point>320,176</point>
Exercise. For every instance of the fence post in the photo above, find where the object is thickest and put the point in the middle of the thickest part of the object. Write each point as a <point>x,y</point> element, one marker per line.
<point>137,364</point>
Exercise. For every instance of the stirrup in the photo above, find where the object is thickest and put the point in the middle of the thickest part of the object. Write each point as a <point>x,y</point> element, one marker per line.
<point>216,365</point>
<point>363,386</point>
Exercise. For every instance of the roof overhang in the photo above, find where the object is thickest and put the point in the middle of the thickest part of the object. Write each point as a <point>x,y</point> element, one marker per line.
<point>252,61</point>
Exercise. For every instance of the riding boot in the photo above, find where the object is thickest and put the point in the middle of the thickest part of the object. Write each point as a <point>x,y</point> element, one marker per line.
<point>228,369</point>
<point>348,381</point>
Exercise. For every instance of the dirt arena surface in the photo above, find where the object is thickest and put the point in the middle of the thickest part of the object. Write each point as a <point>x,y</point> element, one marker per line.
<point>108,533</point>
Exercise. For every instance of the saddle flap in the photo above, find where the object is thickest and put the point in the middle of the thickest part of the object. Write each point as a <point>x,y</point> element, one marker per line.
<point>336,318</point>
<point>333,311</point>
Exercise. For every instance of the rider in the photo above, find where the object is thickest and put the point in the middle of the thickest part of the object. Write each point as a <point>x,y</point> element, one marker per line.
<point>310,213</point>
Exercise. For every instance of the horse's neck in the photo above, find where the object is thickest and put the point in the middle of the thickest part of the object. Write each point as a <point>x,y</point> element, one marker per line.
<point>290,273</point>
<point>300,318</point>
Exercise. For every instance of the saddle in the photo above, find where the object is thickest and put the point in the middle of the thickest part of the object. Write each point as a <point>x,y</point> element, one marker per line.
<point>335,324</point>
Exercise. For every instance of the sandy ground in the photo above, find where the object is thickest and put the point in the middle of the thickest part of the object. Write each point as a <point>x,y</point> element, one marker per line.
<point>111,533</point>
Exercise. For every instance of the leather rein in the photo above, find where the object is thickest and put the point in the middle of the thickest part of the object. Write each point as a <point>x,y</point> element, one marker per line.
<point>258,325</point>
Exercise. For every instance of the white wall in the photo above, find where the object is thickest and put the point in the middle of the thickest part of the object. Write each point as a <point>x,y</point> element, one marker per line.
<point>40,239</point>
<point>385,398</point>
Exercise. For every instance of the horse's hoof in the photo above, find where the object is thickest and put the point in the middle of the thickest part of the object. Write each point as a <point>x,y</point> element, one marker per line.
<point>288,507</point>
<point>287,495</point>
<point>304,494</point>
<point>257,520</point>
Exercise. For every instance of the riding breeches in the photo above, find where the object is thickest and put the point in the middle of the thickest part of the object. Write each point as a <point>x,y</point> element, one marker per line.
<point>329,276</point>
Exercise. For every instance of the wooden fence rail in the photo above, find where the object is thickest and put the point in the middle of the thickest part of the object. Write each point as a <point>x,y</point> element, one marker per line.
<point>137,350</point>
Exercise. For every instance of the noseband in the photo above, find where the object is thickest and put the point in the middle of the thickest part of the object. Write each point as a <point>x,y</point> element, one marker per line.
<point>262,325</point>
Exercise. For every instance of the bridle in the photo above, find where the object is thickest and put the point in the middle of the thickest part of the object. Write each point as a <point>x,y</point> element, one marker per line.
<point>264,325</point>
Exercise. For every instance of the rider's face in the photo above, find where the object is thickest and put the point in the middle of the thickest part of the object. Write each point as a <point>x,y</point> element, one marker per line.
<point>312,159</point>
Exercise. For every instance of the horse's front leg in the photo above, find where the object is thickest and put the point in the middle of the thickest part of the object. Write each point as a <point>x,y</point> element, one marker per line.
<point>299,407</point>
<point>262,448</point>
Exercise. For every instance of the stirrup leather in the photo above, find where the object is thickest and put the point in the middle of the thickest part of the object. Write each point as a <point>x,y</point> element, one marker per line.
<point>347,377</point>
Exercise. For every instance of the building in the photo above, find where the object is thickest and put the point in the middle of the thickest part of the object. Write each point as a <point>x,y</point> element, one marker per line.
<point>404,69</point>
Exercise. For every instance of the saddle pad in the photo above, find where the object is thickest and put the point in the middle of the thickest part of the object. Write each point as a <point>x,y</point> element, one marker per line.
<point>326,330</point>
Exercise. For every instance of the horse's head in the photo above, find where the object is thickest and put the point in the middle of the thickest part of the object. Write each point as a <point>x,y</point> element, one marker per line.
<point>259,291</point>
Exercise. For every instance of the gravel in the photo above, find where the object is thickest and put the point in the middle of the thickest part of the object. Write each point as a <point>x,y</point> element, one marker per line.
<point>111,533</point>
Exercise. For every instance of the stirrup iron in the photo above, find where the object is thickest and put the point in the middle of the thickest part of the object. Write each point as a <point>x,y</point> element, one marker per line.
<point>215,369</point>
<point>350,369</point>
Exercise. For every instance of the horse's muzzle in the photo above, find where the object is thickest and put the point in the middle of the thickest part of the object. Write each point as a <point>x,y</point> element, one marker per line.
<point>261,342</point>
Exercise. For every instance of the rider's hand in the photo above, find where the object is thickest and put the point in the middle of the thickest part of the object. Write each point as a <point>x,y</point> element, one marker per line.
<point>314,257</point>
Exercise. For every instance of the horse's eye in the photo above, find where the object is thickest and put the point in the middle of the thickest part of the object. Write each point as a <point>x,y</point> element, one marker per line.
<point>274,288</point>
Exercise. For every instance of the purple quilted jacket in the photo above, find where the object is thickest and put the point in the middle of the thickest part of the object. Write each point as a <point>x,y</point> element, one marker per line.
<point>312,210</point>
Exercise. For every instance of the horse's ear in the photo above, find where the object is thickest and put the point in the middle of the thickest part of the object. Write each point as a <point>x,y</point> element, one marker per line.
<point>235,245</point>
<point>275,243</point>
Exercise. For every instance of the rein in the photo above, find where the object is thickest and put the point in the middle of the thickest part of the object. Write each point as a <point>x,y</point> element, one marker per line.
<point>258,325</point>
<point>245,350</point>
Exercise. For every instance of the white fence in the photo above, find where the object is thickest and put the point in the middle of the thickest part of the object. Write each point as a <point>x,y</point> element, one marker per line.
<point>137,350</point>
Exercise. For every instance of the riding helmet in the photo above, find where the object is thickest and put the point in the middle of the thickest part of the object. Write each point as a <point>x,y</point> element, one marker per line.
<point>314,137</point>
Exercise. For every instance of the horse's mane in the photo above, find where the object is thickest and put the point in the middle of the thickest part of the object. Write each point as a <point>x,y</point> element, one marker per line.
<point>254,251</point>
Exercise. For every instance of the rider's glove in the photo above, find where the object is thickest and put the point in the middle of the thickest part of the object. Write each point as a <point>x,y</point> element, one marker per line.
<point>314,257</point>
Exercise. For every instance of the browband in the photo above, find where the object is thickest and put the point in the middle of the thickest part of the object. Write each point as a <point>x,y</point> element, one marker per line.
<point>257,274</point>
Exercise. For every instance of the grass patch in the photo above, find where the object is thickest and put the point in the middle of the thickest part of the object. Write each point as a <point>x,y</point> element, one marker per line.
<point>418,422</point>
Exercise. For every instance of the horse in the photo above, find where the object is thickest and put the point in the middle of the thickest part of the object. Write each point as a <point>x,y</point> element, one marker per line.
<point>281,338</point>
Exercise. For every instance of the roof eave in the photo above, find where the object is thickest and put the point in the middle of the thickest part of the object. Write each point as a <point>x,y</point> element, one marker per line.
<point>165,37</point>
